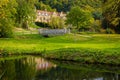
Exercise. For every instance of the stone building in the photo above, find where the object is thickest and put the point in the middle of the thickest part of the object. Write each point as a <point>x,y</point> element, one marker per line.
<point>45,16</point>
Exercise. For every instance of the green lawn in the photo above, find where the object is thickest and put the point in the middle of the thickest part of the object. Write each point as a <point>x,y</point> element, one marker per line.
<point>92,48</point>
<point>34,43</point>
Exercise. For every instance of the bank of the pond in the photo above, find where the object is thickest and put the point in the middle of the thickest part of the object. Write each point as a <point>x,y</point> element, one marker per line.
<point>12,57</point>
<point>93,48</point>
<point>88,67</point>
<point>89,56</point>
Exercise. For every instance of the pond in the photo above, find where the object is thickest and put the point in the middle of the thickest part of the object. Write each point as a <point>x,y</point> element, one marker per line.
<point>37,68</point>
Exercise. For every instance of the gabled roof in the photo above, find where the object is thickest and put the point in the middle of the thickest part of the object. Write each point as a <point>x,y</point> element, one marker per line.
<point>45,13</point>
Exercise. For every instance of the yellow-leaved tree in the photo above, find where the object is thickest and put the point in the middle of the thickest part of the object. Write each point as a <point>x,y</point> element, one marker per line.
<point>7,12</point>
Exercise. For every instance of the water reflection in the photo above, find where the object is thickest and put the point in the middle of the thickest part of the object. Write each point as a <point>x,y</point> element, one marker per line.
<point>37,68</point>
<point>42,64</point>
<point>60,73</point>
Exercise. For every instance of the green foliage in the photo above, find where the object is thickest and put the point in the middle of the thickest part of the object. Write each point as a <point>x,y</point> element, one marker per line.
<point>4,52</point>
<point>25,13</point>
<point>57,23</point>
<point>97,14</point>
<point>109,31</point>
<point>66,5</point>
<point>94,7</point>
<point>111,13</point>
<point>96,26</point>
<point>42,6</point>
<point>7,12</point>
<point>79,18</point>
<point>95,48</point>
<point>59,5</point>
<point>35,44</point>
<point>6,28</point>
<point>41,24</point>
<point>83,55</point>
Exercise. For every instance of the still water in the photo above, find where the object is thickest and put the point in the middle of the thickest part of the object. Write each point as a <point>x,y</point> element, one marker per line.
<point>37,68</point>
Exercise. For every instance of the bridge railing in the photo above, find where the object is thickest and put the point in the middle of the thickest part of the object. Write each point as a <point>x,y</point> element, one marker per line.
<point>52,32</point>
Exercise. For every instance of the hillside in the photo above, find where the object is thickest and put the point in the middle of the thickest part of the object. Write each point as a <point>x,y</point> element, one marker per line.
<point>65,5</point>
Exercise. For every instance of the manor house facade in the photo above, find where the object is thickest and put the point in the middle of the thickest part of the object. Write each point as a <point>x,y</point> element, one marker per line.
<point>45,16</point>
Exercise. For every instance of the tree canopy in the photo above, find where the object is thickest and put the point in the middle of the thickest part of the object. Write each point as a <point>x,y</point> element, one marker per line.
<point>111,14</point>
<point>25,12</point>
<point>7,12</point>
<point>21,13</point>
<point>79,18</point>
<point>66,5</point>
<point>15,13</point>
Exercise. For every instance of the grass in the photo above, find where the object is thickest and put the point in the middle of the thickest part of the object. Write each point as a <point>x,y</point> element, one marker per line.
<point>94,56</point>
<point>88,67</point>
<point>4,58</point>
<point>74,45</point>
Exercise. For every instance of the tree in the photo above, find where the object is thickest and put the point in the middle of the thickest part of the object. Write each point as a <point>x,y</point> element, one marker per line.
<point>111,13</point>
<point>41,6</point>
<point>7,12</point>
<point>79,18</point>
<point>25,12</point>
<point>66,5</point>
<point>57,23</point>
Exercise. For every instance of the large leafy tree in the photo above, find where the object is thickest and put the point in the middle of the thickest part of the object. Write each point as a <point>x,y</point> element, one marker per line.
<point>111,13</point>
<point>79,18</point>
<point>25,12</point>
<point>7,12</point>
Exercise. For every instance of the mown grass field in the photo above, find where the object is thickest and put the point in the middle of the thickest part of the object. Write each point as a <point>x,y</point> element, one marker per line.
<point>65,47</point>
<point>30,43</point>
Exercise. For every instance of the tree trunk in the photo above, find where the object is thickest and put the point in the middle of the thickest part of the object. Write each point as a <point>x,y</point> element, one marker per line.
<point>25,25</point>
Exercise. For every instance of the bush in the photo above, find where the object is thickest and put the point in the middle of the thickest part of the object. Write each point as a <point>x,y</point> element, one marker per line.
<point>110,31</point>
<point>40,24</point>
<point>6,28</point>
<point>4,52</point>
<point>57,23</point>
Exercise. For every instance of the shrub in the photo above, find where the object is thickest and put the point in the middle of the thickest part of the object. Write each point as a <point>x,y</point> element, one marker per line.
<point>40,24</point>
<point>4,52</point>
<point>6,28</point>
<point>109,31</point>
